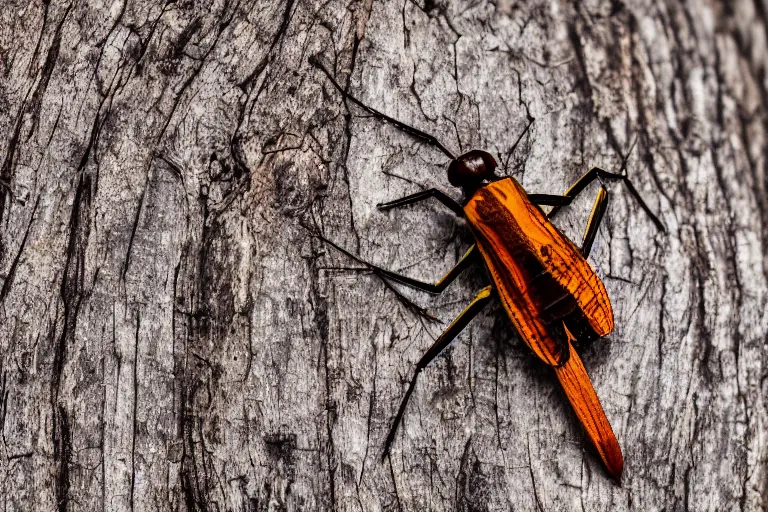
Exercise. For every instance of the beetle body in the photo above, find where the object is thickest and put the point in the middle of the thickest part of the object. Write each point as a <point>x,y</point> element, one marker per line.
<point>549,292</point>
<point>541,277</point>
<point>547,288</point>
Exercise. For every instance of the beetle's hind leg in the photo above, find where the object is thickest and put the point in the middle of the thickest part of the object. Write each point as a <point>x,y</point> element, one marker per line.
<point>410,130</point>
<point>453,330</point>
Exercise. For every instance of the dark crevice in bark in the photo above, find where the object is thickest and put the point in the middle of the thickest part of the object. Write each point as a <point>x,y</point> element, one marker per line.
<point>33,107</point>
<point>6,172</point>
<point>135,420</point>
<point>348,145</point>
<point>71,294</point>
<point>43,26</point>
<point>188,82</point>
<point>254,75</point>
<point>193,471</point>
<point>583,81</point>
<point>647,143</point>
<point>134,227</point>
<point>536,498</point>
<point>8,282</point>
<point>320,318</point>
<point>62,455</point>
<point>3,401</point>
<point>36,101</point>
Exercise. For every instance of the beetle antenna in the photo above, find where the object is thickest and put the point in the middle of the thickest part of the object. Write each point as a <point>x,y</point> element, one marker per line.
<point>512,149</point>
<point>410,130</point>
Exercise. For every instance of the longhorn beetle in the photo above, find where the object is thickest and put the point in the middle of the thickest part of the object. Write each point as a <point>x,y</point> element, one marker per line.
<point>551,294</point>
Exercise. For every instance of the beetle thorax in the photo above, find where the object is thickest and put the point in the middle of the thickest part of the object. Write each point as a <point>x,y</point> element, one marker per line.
<point>471,169</point>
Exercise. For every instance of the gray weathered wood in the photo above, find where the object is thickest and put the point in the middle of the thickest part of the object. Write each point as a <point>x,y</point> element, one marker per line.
<point>172,337</point>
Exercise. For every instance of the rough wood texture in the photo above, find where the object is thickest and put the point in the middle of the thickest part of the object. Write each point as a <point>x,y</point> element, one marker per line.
<point>173,339</point>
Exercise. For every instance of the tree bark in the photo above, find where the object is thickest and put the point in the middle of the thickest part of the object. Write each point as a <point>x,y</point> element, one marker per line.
<point>174,337</point>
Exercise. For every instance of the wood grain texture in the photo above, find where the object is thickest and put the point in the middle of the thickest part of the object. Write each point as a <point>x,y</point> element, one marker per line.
<point>172,337</point>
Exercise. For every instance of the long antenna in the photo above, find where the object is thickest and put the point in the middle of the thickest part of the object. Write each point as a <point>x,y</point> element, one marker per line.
<point>410,130</point>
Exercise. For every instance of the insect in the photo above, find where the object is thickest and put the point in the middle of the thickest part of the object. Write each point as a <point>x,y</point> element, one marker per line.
<point>547,288</point>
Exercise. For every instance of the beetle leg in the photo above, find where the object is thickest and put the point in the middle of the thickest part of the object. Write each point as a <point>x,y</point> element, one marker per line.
<point>376,270</point>
<point>461,321</point>
<point>595,217</point>
<point>410,130</point>
<point>421,196</point>
<point>442,283</point>
<point>437,287</point>
<point>598,211</point>
<point>549,199</point>
<point>599,174</point>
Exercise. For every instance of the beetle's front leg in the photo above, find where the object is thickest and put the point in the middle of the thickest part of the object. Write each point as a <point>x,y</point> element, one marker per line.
<point>442,283</point>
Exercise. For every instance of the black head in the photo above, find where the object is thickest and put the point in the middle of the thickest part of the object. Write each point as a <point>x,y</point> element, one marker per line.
<point>471,169</point>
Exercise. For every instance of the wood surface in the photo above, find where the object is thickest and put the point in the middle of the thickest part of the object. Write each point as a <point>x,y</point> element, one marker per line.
<point>172,337</point>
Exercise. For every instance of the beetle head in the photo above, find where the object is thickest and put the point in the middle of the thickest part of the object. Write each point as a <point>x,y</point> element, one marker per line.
<point>469,170</point>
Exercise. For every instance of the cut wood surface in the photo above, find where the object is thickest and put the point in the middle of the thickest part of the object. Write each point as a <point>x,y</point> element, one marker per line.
<point>174,337</point>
